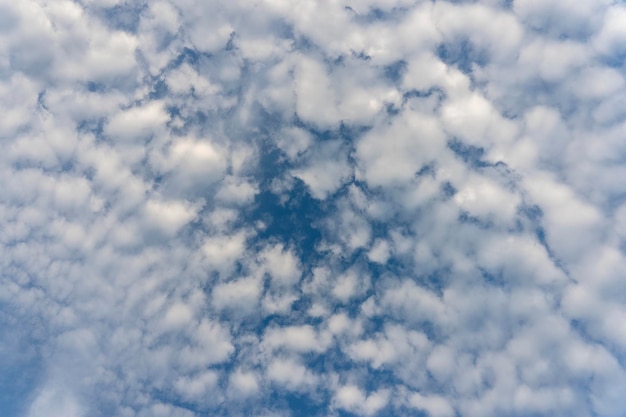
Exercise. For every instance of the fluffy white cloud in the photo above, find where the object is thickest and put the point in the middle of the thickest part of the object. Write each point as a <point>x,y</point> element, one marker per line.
<point>290,374</point>
<point>394,152</point>
<point>295,338</point>
<point>282,265</point>
<point>245,383</point>
<point>352,399</point>
<point>433,405</point>
<point>241,296</point>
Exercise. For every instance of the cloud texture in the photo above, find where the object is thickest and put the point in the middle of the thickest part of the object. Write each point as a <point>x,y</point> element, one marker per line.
<point>324,208</point>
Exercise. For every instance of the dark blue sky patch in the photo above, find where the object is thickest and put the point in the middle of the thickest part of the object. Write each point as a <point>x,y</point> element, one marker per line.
<point>409,94</point>
<point>283,320</point>
<point>298,404</point>
<point>350,132</point>
<point>395,72</point>
<point>230,45</point>
<point>472,155</point>
<point>293,222</point>
<point>361,55</point>
<point>617,61</point>
<point>375,14</point>
<point>95,87</point>
<point>427,170</point>
<point>377,378</point>
<point>531,212</point>
<point>159,90</point>
<point>332,360</point>
<point>41,100</point>
<point>543,240</point>
<point>304,405</point>
<point>392,110</point>
<point>188,55</point>
<point>319,134</point>
<point>462,55</point>
<point>466,218</point>
<point>394,265</point>
<point>448,190</point>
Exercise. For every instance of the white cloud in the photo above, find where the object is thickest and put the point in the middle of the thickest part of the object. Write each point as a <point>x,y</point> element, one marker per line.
<point>278,302</point>
<point>222,251</point>
<point>352,399</point>
<point>575,18</point>
<point>196,388</point>
<point>396,348</point>
<point>193,164</point>
<point>379,252</point>
<point>169,216</point>
<point>411,141</point>
<point>240,296</point>
<point>350,284</point>
<point>178,315</point>
<point>413,302</point>
<point>483,198</point>
<point>211,345</point>
<point>293,141</point>
<point>282,265</point>
<point>553,60</point>
<point>244,383</point>
<point>290,374</point>
<point>315,99</point>
<point>339,324</point>
<point>51,402</point>
<point>295,338</point>
<point>237,191</point>
<point>610,38</point>
<point>566,216</point>
<point>433,405</point>
<point>473,119</point>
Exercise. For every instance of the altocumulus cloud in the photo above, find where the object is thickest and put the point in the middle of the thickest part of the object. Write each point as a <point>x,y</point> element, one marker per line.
<point>324,208</point>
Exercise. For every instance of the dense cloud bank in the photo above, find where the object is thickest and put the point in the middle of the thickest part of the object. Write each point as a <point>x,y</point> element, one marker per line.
<point>324,208</point>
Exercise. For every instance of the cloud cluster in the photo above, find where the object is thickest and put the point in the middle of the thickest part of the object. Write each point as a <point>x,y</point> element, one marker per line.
<point>330,208</point>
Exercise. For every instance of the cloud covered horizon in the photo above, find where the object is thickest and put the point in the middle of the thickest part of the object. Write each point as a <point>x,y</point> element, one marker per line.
<point>321,208</point>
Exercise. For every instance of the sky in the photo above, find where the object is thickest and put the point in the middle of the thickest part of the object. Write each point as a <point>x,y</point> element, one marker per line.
<point>324,208</point>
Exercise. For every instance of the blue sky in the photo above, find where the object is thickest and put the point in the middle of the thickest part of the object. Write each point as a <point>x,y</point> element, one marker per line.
<point>324,208</point>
